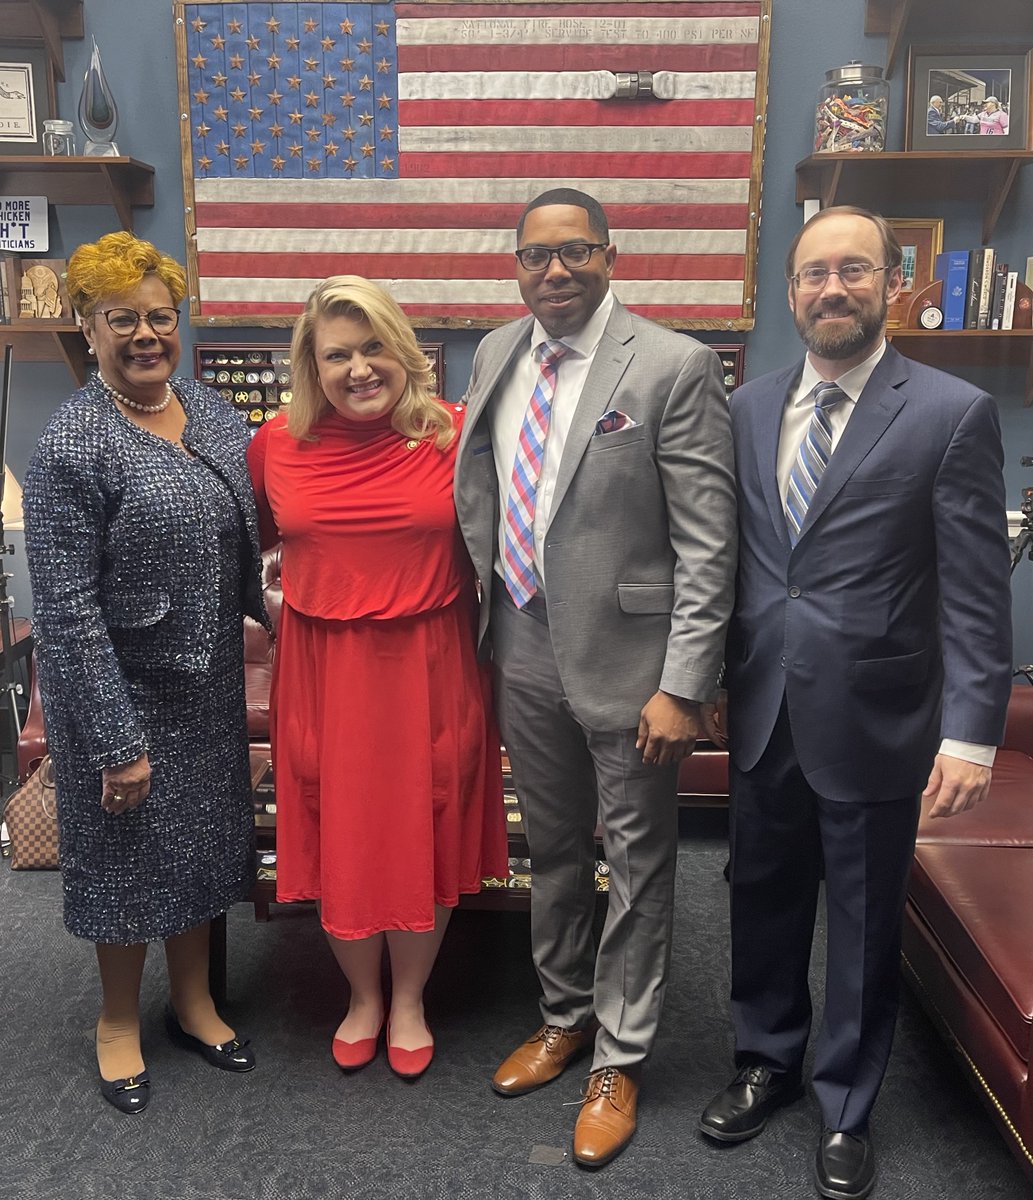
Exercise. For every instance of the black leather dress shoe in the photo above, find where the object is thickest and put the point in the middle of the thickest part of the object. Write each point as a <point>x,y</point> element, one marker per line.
<point>741,1111</point>
<point>844,1167</point>
<point>234,1055</point>
<point>129,1095</point>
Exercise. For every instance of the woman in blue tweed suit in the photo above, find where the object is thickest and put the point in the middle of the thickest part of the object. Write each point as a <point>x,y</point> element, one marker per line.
<point>143,554</point>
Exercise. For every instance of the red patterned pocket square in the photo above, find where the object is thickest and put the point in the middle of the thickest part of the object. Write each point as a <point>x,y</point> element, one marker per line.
<point>612,421</point>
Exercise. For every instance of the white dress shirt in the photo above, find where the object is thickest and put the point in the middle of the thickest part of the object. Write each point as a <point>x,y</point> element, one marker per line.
<point>795,419</point>
<point>507,412</point>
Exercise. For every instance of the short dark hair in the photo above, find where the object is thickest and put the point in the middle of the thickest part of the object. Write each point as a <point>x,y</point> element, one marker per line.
<point>597,221</point>
<point>890,246</point>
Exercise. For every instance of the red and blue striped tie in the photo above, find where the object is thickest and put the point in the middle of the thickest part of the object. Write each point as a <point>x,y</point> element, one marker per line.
<point>811,459</point>
<point>518,557</point>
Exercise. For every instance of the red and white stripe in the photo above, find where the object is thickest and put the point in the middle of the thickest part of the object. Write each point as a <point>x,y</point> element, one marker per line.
<point>496,104</point>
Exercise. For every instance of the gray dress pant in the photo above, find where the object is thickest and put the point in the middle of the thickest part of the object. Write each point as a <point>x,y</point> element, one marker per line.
<point>567,776</point>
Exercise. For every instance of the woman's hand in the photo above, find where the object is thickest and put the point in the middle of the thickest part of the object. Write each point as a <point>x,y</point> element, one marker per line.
<point>125,786</point>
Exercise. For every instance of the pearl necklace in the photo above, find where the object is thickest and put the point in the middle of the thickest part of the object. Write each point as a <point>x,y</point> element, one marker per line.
<point>144,408</point>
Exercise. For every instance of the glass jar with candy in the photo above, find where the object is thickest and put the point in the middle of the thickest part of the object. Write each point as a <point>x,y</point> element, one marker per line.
<point>851,111</point>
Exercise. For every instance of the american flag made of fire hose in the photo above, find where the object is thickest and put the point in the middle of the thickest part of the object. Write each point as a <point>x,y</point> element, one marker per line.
<point>401,142</point>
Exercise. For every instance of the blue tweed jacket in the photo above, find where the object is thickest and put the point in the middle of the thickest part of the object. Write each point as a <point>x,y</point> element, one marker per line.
<point>110,531</point>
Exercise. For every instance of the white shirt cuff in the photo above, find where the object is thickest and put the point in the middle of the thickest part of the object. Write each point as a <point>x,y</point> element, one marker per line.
<point>971,752</point>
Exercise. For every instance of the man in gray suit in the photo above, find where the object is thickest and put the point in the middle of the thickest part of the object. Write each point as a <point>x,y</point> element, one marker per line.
<point>600,516</point>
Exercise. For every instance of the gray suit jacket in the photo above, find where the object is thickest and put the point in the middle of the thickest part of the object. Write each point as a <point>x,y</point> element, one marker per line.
<point>640,550</point>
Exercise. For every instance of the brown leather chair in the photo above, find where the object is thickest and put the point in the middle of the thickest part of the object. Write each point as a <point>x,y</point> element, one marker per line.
<point>258,651</point>
<point>967,947</point>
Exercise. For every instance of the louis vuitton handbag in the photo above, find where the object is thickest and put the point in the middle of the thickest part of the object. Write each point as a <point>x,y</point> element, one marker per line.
<point>31,816</point>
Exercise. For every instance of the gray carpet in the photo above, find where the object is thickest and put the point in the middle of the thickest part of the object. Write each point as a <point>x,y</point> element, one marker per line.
<point>297,1128</point>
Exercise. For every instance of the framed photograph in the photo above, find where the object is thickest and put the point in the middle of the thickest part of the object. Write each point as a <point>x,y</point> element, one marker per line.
<point>921,239</point>
<point>435,352</point>
<point>968,99</point>
<point>733,361</point>
<point>27,98</point>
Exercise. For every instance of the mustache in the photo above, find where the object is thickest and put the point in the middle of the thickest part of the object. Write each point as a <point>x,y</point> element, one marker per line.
<point>834,308</point>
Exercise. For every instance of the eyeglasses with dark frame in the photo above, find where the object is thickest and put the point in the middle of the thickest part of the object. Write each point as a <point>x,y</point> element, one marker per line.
<point>572,254</point>
<point>125,321</point>
<point>851,275</point>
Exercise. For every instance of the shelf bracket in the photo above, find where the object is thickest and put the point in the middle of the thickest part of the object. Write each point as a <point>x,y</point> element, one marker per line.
<point>68,345</point>
<point>898,28</point>
<point>51,34</point>
<point>830,185</point>
<point>1002,177</point>
<point>119,200</point>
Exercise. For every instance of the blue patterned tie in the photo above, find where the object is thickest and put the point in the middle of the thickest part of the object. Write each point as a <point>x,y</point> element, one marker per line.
<point>518,558</point>
<point>811,459</point>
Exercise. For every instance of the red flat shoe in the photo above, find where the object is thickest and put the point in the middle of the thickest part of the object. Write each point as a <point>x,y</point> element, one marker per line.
<point>351,1056</point>
<point>409,1064</point>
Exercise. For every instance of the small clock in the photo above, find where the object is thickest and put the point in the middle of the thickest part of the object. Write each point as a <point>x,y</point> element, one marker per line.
<point>931,317</point>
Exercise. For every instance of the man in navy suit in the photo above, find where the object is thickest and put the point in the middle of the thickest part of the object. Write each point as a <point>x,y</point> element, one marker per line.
<point>869,658</point>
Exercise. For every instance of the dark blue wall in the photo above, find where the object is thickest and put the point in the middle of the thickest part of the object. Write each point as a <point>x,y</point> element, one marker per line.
<point>807,37</point>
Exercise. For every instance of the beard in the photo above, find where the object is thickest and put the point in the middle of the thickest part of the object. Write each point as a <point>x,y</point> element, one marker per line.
<point>844,340</point>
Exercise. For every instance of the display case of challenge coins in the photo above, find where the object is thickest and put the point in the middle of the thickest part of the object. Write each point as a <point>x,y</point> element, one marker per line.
<point>254,378</point>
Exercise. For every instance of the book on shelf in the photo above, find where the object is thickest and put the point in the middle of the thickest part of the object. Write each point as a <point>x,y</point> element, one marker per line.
<point>1029,273</point>
<point>972,291</point>
<point>997,294</point>
<point>986,287</point>
<point>9,280</point>
<point>952,269</point>
<point>1008,313</point>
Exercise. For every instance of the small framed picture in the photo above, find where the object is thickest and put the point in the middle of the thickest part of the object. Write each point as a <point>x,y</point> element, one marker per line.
<point>921,239</point>
<point>733,360</point>
<point>968,99</point>
<point>27,98</point>
<point>435,352</point>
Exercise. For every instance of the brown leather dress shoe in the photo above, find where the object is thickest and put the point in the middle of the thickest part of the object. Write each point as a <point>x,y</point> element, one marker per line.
<point>607,1118</point>
<point>541,1059</point>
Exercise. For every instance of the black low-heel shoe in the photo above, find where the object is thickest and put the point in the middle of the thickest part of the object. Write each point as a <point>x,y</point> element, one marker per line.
<point>129,1095</point>
<point>229,1056</point>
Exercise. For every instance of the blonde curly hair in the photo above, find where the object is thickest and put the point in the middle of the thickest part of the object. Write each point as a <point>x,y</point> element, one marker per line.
<point>117,263</point>
<point>417,414</point>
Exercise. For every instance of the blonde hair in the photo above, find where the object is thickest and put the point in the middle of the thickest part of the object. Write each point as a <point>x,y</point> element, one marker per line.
<point>417,414</point>
<point>117,263</point>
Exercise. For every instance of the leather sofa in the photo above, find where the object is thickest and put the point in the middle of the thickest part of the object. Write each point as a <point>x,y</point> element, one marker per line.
<point>968,933</point>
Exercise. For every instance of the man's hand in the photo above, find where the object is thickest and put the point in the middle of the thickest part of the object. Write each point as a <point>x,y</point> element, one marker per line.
<point>715,720</point>
<point>957,785</point>
<point>125,786</point>
<point>668,728</point>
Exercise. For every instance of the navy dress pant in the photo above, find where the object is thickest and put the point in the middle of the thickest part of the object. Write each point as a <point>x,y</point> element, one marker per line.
<point>783,834</point>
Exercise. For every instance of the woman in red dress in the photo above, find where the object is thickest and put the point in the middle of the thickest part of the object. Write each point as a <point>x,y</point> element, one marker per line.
<point>386,756</point>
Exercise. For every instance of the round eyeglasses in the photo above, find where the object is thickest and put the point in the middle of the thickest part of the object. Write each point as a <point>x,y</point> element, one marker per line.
<point>851,275</point>
<point>573,254</point>
<point>124,321</point>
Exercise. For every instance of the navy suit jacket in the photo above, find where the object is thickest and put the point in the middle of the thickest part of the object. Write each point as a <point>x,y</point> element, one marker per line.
<point>888,626</point>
